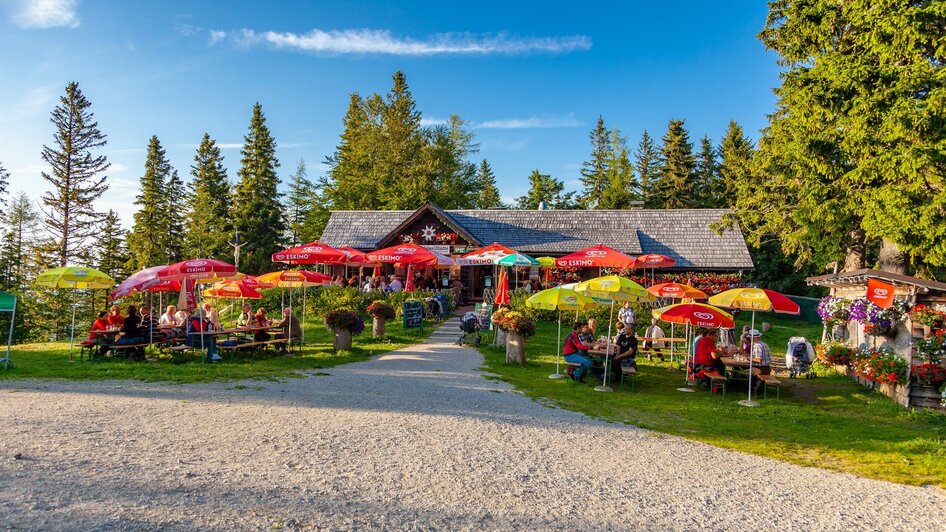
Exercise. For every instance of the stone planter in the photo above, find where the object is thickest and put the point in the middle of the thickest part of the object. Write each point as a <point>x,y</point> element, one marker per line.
<point>515,348</point>
<point>500,336</point>
<point>377,327</point>
<point>342,340</point>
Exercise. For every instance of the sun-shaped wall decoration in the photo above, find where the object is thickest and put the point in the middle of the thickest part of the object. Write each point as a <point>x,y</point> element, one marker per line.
<point>428,233</point>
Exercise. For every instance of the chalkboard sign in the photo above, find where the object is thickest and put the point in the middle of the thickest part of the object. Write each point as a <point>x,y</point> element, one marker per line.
<point>413,314</point>
<point>484,312</point>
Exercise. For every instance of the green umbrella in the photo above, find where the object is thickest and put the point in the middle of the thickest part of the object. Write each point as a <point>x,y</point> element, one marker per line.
<point>517,259</point>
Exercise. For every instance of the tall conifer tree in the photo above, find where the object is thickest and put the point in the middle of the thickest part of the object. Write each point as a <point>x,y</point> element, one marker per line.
<point>77,176</point>
<point>4,185</point>
<point>647,168</point>
<point>208,225</point>
<point>405,174</point>
<point>622,186</point>
<point>148,241</point>
<point>110,249</point>
<point>735,167</point>
<point>488,193</point>
<point>545,189</point>
<point>17,261</point>
<point>257,210</point>
<point>710,192</point>
<point>594,171</point>
<point>353,181</point>
<point>299,202</point>
<point>675,188</point>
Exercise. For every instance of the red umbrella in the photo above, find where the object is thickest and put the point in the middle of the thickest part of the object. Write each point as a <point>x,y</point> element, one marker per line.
<point>205,270</point>
<point>654,260</point>
<point>409,283</point>
<point>311,253</point>
<point>356,258</point>
<point>502,289</point>
<point>407,254</point>
<point>486,255</point>
<point>232,290</point>
<point>676,291</point>
<point>135,282</point>
<point>376,272</point>
<point>597,256</point>
<point>695,314</point>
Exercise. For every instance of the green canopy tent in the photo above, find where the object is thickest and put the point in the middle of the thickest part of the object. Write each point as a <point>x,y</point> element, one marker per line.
<point>8,304</point>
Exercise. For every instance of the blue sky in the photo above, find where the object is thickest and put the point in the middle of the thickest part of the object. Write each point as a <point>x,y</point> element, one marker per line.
<point>531,78</point>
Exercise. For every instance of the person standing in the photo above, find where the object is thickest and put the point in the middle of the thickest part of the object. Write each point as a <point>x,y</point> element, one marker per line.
<point>654,331</point>
<point>627,316</point>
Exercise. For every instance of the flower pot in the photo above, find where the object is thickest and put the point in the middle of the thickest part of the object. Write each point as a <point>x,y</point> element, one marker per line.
<point>377,327</point>
<point>342,340</point>
<point>515,348</point>
<point>500,336</point>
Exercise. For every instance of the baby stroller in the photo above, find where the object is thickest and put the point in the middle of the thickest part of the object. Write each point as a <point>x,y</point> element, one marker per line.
<point>798,358</point>
<point>470,325</point>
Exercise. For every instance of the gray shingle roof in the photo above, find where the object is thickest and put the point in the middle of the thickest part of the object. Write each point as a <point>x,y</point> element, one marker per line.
<point>682,234</point>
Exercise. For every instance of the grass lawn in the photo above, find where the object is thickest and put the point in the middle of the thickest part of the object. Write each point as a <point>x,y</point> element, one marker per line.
<point>51,361</point>
<point>829,422</point>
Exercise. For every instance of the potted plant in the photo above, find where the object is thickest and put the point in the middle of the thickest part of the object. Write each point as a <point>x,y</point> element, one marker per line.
<point>834,354</point>
<point>930,318</point>
<point>881,366</point>
<point>344,324</point>
<point>380,311</point>
<point>518,327</point>
<point>497,320</point>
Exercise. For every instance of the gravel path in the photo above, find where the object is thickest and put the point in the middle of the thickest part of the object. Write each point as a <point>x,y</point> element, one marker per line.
<point>413,439</point>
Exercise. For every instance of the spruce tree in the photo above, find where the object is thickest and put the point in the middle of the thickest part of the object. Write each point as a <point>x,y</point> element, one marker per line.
<point>710,192</point>
<point>622,184</point>
<point>150,233</point>
<point>77,176</point>
<point>17,261</point>
<point>175,208</point>
<point>647,169</point>
<point>208,227</point>
<point>353,181</point>
<point>735,168</point>
<point>488,197</point>
<point>110,249</point>
<point>405,175</point>
<point>257,210</point>
<point>594,172</point>
<point>545,189</point>
<point>4,185</point>
<point>453,177</point>
<point>674,189</point>
<point>299,202</point>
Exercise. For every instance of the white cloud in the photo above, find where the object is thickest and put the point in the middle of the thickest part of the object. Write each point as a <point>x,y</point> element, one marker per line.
<point>227,145</point>
<point>368,41</point>
<point>427,122</point>
<point>117,168</point>
<point>217,36</point>
<point>535,122</point>
<point>46,14</point>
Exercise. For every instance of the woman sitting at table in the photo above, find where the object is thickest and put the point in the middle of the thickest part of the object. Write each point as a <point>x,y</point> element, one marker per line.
<point>576,352</point>
<point>169,318</point>
<point>115,318</point>
<point>197,325</point>
<point>131,332</point>
<point>260,320</point>
<point>246,316</point>
<point>626,343</point>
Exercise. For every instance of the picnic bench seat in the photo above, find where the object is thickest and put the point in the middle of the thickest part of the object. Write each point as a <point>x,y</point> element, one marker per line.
<point>717,381</point>
<point>769,380</point>
<point>631,373</point>
<point>246,345</point>
<point>570,367</point>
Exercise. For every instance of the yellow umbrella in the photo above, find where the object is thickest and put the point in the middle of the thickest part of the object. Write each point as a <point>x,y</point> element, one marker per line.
<point>560,299</point>
<point>606,290</point>
<point>75,278</point>
<point>546,262</point>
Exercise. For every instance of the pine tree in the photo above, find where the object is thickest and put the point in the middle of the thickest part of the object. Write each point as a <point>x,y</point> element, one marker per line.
<point>488,193</point>
<point>735,168</point>
<point>674,189</point>
<point>17,263</point>
<point>110,249</point>
<point>710,192</point>
<point>175,207</point>
<point>647,167</point>
<point>257,210</point>
<point>149,239</point>
<point>622,183</point>
<point>299,202</point>
<point>353,181</point>
<point>544,189</point>
<point>208,226</point>
<point>594,172</point>
<point>452,178</point>
<point>77,176</point>
<point>406,179</point>
<point>4,185</point>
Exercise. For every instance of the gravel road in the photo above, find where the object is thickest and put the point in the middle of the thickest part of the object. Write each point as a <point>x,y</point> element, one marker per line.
<point>414,439</point>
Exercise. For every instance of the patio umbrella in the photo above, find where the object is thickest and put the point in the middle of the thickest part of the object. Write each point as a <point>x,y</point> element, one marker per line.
<point>409,254</point>
<point>485,256</point>
<point>295,279</point>
<point>675,291</point>
<point>517,260</point>
<point>409,281</point>
<point>232,290</point>
<point>203,271</point>
<point>607,290</point>
<point>74,278</point>
<point>312,253</point>
<point>134,282</point>
<point>654,261</point>
<point>8,304</point>
<point>502,289</point>
<point>560,299</point>
<point>597,256</point>
<point>696,315</point>
<point>755,300</point>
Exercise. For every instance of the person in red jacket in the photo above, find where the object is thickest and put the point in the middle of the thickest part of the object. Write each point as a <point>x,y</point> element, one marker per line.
<point>115,318</point>
<point>100,324</point>
<point>706,355</point>
<point>576,352</point>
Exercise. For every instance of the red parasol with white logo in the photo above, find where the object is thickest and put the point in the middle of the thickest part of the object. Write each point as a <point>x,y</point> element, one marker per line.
<point>676,291</point>
<point>485,256</point>
<point>202,270</point>
<point>409,254</point>
<point>597,256</point>
<point>311,253</point>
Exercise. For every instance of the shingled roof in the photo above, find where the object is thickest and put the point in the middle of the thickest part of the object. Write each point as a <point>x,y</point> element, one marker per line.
<point>683,234</point>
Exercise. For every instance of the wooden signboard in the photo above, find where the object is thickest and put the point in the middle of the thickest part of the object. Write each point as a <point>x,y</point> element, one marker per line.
<point>484,312</point>
<point>413,314</point>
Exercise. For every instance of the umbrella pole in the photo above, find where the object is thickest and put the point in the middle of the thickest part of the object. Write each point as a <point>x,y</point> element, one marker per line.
<point>604,381</point>
<point>72,329</point>
<point>558,349</point>
<point>749,401</point>
<point>199,298</point>
<point>302,324</point>
<point>671,345</point>
<point>6,361</point>
<point>686,347</point>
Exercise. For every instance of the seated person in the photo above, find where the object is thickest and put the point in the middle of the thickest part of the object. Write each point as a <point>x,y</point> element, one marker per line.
<point>260,320</point>
<point>745,343</point>
<point>211,316</point>
<point>246,316</point>
<point>576,352</point>
<point>149,327</point>
<point>199,324</point>
<point>593,328</point>
<point>626,344</point>
<point>100,324</point>
<point>654,331</point>
<point>290,327</point>
<point>169,317</point>
<point>115,318</point>
<point>182,316</point>
<point>131,333</point>
<point>586,334</point>
<point>707,356</point>
<point>761,355</point>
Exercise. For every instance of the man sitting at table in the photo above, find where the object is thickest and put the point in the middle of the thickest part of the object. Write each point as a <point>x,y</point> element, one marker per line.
<point>290,327</point>
<point>196,325</point>
<point>626,343</point>
<point>707,357</point>
<point>211,315</point>
<point>576,352</point>
<point>761,355</point>
<point>100,324</point>
<point>654,331</point>
<point>149,327</point>
<point>169,318</point>
<point>246,316</point>
<point>131,333</point>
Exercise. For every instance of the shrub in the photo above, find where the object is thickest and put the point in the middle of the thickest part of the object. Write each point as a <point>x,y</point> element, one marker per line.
<point>382,310</point>
<point>834,354</point>
<point>341,319</point>
<point>932,348</point>
<point>516,322</point>
<point>928,316</point>
<point>517,302</point>
<point>929,374</point>
<point>329,298</point>
<point>499,317</point>
<point>880,366</point>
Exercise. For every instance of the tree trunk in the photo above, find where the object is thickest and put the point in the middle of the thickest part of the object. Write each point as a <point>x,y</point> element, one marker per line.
<point>377,327</point>
<point>854,258</point>
<point>891,258</point>
<point>515,348</point>
<point>342,340</point>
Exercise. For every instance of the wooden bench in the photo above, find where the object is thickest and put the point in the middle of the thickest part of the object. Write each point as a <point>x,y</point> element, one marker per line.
<point>570,367</point>
<point>246,345</point>
<point>629,372</point>
<point>770,380</point>
<point>123,348</point>
<point>717,381</point>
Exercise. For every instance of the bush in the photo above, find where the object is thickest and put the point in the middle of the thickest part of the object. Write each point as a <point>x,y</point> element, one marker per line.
<point>329,298</point>
<point>929,374</point>
<point>516,322</point>
<point>341,319</point>
<point>382,310</point>
<point>834,354</point>
<point>517,302</point>
<point>881,365</point>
